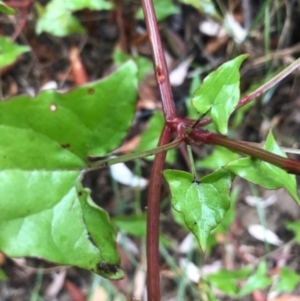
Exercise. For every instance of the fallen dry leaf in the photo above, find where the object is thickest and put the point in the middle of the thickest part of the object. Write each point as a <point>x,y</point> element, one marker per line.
<point>287,298</point>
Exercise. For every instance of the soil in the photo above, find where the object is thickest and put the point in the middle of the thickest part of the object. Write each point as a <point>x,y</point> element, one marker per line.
<point>279,109</point>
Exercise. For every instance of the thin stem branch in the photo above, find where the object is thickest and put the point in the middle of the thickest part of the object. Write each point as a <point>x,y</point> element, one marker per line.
<point>268,85</point>
<point>258,92</point>
<point>160,66</point>
<point>125,158</point>
<point>153,210</point>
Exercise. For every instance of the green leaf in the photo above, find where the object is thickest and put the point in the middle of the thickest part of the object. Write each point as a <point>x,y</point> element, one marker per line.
<point>6,9</point>
<point>257,281</point>
<point>56,221</point>
<point>203,204</point>
<point>3,276</point>
<point>90,120</point>
<point>205,6</point>
<point>44,145</point>
<point>133,224</point>
<point>74,5</point>
<point>10,51</point>
<point>227,281</point>
<point>295,227</point>
<point>219,157</point>
<point>150,137</point>
<point>163,9</point>
<point>193,87</point>
<point>288,280</point>
<point>265,174</point>
<point>58,20</point>
<point>220,93</point>
<point>144,65</point>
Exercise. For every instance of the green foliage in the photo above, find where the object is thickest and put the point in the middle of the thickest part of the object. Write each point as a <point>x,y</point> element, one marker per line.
<point>133,224</point>
<point>288,280</point>
<point>192,113</point>
<point>220,93</point>
<point>204,204</point>
<point>3,276</point>
<point>218,158</point>
<point>44,145</point>
<point>6,9</point>
<point>227,280</point>
<point>144,65</point>
<point>57,19</point>
<point>265,174</point>
<point>207,7</point>
<point>163,9</point>
<point>258,281</point>
<point>295,227</point>
<point>9,51</point>
<point>150,137</point>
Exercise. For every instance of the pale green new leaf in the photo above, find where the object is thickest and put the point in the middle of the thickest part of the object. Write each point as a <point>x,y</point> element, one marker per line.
<point>57,20</point>
<point>265,174</point>
<point>220,92</point>
<point>6,9</point>
<point>203,205</point>
<point>227,281</point>
<point>258,281</point>
<point>288,280</point>
<point>10,51</point>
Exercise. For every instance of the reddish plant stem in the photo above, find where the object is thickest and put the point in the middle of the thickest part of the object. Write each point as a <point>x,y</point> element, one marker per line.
<point>153,210</point>
<point>206,137</point>
<point>19,4</point>
<point>160,66</point>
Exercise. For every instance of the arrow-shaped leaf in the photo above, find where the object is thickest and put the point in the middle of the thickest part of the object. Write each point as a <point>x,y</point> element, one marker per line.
<point>44,145</point>
<point>265,174</point>
<point>203,204</point>
<point>220,93</point>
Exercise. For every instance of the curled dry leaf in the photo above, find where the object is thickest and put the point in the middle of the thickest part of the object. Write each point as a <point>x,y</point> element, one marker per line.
<point>74,291</point>
<point>234,29</point>
<point>191,271</point>
<point>78,69</point>
<point>287,298</point>
<point>254,201</point>
<point>57,284</point>
<point>179,74</point>
<point>261,233</point>
<point>187,244</point>
<point>123,175</point>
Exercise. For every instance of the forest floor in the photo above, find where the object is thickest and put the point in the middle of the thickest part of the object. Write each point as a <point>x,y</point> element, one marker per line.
<point>193,48</point>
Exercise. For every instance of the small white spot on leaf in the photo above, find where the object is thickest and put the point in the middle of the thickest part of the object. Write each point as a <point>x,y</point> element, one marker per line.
<point>53,107</point>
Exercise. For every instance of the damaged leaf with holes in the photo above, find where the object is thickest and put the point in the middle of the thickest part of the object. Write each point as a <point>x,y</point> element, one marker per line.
<point>45,144</point>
